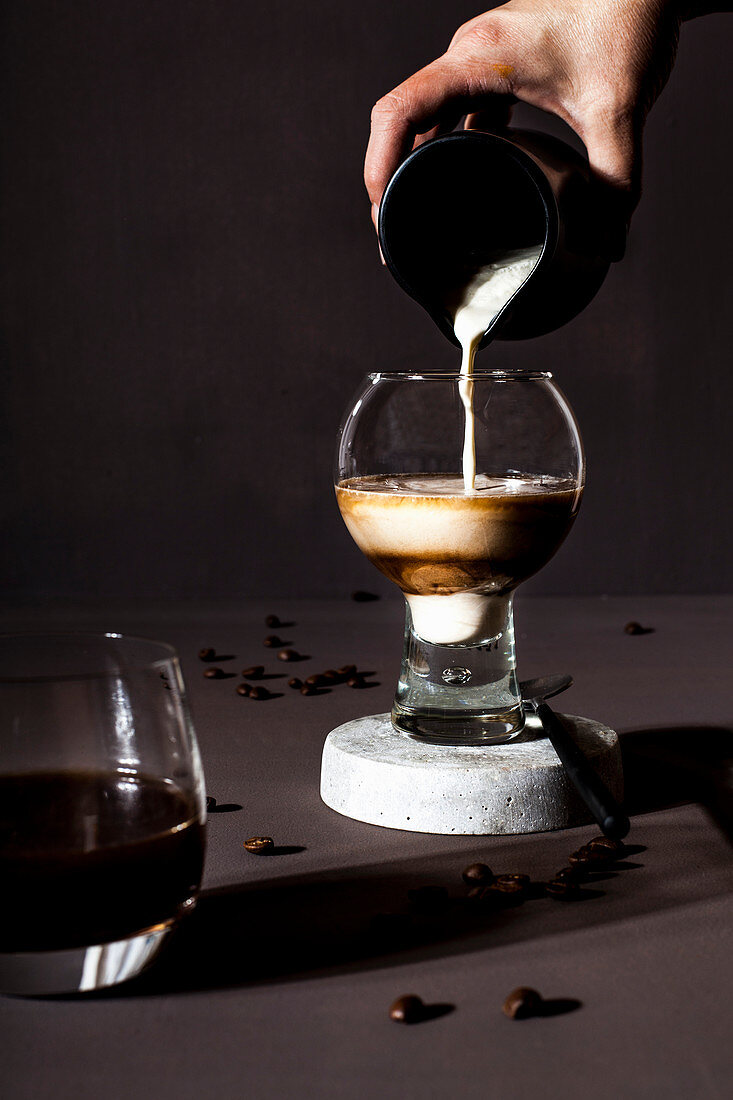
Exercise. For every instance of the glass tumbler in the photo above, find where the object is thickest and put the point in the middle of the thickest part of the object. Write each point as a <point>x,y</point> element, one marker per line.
<point>102,808</point>
<point>459,550</point>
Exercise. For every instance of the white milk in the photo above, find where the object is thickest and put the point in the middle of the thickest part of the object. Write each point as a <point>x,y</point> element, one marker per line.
<point>478,304</point>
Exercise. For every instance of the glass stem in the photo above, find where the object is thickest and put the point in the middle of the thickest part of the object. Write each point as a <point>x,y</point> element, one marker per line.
<point>462,693</point>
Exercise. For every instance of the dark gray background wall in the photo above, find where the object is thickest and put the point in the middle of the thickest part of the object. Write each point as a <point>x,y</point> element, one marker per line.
<point>191,292</point>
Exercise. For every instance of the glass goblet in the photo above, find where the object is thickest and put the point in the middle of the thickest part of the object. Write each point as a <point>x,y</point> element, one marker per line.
<point>102,808</point>
<point>458,552</point>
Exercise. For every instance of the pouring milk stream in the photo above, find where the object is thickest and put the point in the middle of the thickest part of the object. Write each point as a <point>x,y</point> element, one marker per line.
<point>478,304</point>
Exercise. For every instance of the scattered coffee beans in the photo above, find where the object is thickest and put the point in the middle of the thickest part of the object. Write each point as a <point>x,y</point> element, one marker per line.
<point>253,672</point>
<point>613,849</point>
<point>213,673</point>
<point>356,681</point>
<point>244,689</point>
<point>259,844</point>
<point>346,670</point>
<point>259,693</point>
<point>637,628</point>
<point>512,881</point>
<point>294,682</point>
<point>272,641</point>
<point>316,680</point>
<point>570,874</point>
<point>288,655</point>
<point>586,856</point>
<point>272,621</point>
<point>476,893</point>
<point>406,1010</point>
<point>477,874</point>
<point>308,689</point>
<point>331,676</point>
<point>563,889</point>
<point>522,1003</point>
<point>515,887</point>
<point>207,654</point>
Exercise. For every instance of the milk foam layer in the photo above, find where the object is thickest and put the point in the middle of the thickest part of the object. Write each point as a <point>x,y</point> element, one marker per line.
<point>465,618</point>
<point>453,554</point>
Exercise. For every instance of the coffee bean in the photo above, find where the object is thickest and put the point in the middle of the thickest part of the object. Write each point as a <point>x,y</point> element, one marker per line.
<point>243,689</point>
<point>272,620</point>
<point>288,655</point>
<point>210,802</point>
<point>346,670</point>
<point>570,874</point>
<point>522,1003</point>
<point>309,689</point>
<point>476,893</point>
<point>253,672</point>
<point>428,898</point>
<point>634,628</point>
<point>272,641</point>
<point>613,849</point>
<point>507,894</point>
<point>259,844</point>
<point>207,654</point>
<point>562,889</point>
<point>355,682</point>
<point>477,874</point>
<point>586,856</point>
<point>406,1010</point>
<point>213,673</point>
<point>512,880</point>
<point>259,693</point>
<point>331,676</point>
<point>295,683</point>
<point>316,680</point>
<point>581,857</point>
<point>515,885</point>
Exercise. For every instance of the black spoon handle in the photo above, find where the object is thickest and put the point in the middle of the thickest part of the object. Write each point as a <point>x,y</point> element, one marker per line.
<point>605,809</point>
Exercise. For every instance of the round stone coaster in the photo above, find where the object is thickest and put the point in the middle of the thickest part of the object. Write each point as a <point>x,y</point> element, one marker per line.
<point>373,773</point>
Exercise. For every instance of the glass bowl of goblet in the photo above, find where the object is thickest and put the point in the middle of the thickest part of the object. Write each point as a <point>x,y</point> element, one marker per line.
<point>457,540</point>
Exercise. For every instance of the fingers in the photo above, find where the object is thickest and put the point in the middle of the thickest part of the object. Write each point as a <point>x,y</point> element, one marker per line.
<point>430,97</point>
<point>494,116</point>
<point>448,122</point>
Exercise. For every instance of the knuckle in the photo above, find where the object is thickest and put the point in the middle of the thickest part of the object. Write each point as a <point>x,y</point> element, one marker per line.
<point>391,109</point>
<point>489,34</point>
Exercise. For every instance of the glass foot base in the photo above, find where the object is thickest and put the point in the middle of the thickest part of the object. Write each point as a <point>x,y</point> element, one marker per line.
<point>80,969</point>
<point>459,728</point>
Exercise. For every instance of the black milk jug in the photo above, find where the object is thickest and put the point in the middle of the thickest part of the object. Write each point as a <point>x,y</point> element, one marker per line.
<point>463,200</point>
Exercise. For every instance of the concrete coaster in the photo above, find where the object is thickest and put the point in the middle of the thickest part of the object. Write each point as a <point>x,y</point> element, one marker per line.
<point>373,773</point>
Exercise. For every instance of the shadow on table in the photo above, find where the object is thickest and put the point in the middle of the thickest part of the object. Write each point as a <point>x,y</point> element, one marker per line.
<point>358,918</point>
<point>680,764</point>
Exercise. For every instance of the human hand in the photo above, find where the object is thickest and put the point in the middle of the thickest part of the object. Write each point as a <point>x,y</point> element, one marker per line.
<point>597,64</point>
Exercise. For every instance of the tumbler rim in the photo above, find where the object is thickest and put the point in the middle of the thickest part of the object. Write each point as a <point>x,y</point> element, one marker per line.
<point>160,654</point>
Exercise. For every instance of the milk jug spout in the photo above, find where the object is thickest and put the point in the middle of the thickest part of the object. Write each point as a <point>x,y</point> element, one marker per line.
<point>464,200</point>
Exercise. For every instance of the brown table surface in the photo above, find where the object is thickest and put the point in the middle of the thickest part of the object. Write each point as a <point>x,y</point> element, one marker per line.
<point>276,987</point>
